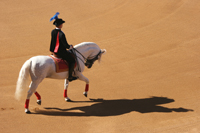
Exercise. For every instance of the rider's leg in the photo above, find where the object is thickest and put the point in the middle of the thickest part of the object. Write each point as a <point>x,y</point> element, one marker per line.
<point>71,69</point>
<point>71,61</point>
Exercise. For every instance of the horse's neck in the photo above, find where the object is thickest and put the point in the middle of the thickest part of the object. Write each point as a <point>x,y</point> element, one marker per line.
<point>87,49</point>
<point>82,53</point>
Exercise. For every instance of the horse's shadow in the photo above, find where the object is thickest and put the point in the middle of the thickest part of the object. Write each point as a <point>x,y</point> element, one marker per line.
<point>103,107</point>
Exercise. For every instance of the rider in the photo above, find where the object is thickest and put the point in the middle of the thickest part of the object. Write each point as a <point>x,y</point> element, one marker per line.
<point>59,46</point>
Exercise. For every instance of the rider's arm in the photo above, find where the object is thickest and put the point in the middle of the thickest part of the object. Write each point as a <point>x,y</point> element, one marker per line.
<point>64,41</point>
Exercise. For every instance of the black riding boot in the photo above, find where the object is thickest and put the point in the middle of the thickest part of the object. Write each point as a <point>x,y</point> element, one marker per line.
<point>71,68</point>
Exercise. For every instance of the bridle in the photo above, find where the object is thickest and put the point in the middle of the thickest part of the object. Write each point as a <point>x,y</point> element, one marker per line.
<point>86,61</point>
<point>90,62</point>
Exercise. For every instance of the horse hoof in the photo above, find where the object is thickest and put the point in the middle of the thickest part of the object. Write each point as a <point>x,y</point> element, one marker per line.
<point>85,94</point>
<point>27,111</point>
<point>39,102</point>
<point>68,100</point>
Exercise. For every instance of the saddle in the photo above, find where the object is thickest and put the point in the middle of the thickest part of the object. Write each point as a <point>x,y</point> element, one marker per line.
<point>60,64</point>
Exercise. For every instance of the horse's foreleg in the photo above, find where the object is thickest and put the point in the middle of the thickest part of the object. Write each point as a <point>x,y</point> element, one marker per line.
<point>86,90</point>
<point>83,78</point>
<point>66,84</point>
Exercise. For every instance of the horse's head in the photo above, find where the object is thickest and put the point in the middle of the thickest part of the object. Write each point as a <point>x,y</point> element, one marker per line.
<point>90,52</point>
<point>90,61</point>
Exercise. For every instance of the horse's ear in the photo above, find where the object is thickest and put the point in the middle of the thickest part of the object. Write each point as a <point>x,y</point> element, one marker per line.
<point>103,51</point>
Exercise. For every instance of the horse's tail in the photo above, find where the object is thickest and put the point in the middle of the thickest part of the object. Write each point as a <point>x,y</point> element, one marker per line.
<point>22,79</point>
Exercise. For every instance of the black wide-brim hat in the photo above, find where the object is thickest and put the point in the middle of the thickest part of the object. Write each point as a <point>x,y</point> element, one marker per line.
<point>58,22</point>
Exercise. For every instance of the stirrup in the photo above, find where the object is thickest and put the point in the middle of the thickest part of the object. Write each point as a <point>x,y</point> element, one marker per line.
<point>72,78</point>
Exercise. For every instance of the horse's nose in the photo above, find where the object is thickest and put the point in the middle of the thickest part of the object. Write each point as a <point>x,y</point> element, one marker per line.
<point>89,66</point>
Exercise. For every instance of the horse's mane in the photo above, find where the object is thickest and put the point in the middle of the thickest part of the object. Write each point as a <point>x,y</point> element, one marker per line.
<point>86,44</point>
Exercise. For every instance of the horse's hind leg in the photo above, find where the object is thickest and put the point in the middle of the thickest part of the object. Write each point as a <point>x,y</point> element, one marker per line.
<point>38,98</point>
<point>33,86</point>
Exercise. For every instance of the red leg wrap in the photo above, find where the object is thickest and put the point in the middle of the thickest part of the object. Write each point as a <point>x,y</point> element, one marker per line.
<point>37,95</point>
<point>86,87</point>
<point>27,103</point>
<point>65,93</point>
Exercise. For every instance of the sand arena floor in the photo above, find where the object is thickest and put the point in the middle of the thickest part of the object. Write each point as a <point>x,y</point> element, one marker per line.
<point>148,81</point>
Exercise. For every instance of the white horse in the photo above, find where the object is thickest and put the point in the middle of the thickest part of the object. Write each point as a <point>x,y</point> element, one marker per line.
<point>40,67</point>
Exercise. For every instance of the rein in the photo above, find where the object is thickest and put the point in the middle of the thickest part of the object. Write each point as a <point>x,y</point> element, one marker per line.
<point>73,52</point>
<point>80,54</point>
<point>85,59</point>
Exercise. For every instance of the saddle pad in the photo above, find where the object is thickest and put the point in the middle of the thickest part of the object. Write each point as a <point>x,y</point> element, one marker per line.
<point>61,65</point>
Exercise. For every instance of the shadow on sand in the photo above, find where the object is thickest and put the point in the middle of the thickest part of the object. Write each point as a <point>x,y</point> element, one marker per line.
<point>116,107</point>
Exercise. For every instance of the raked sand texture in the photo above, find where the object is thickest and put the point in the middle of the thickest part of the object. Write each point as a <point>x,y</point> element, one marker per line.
<point>147,82</point>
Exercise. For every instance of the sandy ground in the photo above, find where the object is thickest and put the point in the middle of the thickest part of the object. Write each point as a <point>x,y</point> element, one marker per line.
<point>148,81</point>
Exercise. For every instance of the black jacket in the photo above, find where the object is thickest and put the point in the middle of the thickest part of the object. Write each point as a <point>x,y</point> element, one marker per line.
<point>58,42</point>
